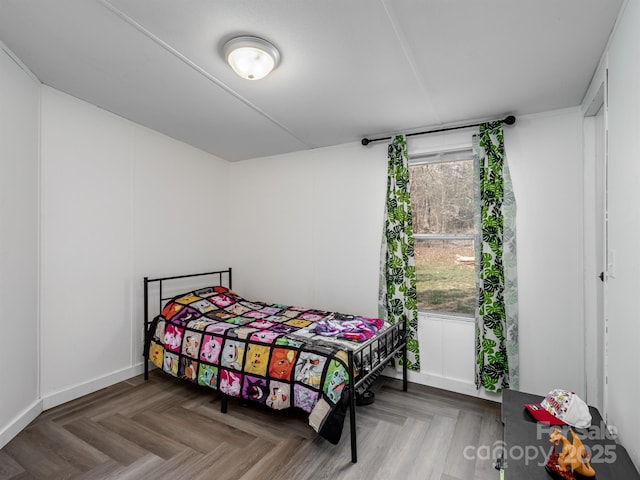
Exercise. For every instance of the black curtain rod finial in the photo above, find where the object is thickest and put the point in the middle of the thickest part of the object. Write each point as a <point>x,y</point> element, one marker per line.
<point>510,120</point>
<point>365,141</point>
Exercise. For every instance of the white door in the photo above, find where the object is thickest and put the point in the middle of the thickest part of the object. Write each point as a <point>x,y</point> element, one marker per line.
<point>601,261</point>
<point>595,247</point>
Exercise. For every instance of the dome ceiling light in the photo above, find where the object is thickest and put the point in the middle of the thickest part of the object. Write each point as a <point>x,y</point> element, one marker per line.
<point>250,57</point>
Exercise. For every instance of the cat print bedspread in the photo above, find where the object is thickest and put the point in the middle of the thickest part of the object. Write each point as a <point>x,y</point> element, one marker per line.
<point>276,355</point>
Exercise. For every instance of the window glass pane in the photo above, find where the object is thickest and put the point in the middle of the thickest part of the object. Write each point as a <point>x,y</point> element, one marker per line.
<point>445,275</point>
<point>442,197</point>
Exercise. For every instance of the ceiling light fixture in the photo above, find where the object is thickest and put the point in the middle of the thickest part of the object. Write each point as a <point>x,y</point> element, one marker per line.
<point>251,57</point>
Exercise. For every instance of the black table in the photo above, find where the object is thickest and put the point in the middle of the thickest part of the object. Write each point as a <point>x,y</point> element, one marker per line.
<point>526,443</point>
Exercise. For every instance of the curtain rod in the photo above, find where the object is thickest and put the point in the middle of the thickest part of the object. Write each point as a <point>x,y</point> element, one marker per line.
<point>510,120</point>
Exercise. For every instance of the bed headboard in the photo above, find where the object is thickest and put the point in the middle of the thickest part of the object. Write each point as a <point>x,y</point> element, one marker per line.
<point>222,277</point>
<point>165,283</point>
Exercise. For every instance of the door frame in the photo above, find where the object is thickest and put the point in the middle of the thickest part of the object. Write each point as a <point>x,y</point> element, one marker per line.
<point>595,247</point>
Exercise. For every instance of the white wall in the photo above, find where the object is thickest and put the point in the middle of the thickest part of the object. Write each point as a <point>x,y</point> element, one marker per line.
<point>623,285</point>
<point>545,157</point>
<point>308,227</point>
<point>118,202</point>
<point>447,355</point>
<point>19,164</point>
<point>181,212</point>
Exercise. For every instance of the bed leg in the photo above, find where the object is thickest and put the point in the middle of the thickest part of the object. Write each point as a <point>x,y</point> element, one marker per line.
<point>145,352</point>
<point>223,402</point>
<point>352,410</point>
<point>146,328</point>
<point>404,375</point>
<point>404,362</point>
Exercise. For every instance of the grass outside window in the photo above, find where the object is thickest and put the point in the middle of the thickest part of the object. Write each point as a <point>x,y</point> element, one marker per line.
<point>445,275</point>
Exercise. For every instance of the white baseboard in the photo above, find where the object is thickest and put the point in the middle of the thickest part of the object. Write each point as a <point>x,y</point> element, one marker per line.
<point>62,396</point>
<point>445,383</point>
<point>20,423</point>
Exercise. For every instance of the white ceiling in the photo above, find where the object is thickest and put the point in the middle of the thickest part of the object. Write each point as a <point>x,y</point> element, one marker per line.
<point>350,68</point>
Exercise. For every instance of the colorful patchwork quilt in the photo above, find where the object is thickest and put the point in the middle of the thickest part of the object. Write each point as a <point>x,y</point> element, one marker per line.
<point>276,355</point>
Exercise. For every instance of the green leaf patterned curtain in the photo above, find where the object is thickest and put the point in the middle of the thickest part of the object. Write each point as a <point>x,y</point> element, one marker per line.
<point>497,362</point>
<point>398,300</point>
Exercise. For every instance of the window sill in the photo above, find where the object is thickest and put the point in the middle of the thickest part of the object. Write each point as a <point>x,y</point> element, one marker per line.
<point>446,316</point>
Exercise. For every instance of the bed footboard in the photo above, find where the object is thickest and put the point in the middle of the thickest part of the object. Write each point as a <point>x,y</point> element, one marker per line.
<point>370,359</point>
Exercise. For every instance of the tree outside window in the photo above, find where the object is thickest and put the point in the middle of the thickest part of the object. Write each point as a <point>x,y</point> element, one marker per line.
<point>443,207</point>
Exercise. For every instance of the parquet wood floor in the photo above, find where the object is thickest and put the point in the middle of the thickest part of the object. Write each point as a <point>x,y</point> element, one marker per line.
<point>172,430</point>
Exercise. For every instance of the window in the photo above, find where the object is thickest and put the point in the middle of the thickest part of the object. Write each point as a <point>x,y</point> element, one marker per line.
<point>443,209</point>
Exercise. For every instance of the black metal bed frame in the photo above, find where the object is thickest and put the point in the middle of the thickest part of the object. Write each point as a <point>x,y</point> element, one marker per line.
<point>393,340</point>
